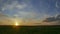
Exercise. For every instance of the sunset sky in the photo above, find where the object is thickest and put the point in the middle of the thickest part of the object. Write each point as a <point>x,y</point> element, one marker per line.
<point>29,12</point>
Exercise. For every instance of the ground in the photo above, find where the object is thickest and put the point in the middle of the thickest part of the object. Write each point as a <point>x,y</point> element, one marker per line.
<point>30,30</point>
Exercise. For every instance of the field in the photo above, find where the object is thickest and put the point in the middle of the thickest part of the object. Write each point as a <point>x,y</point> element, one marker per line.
<point>29,29</point>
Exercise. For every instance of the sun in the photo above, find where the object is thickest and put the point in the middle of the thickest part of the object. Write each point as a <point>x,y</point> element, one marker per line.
<point>16,24</point>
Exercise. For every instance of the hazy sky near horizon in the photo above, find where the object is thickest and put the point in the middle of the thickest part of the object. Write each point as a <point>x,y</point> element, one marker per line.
<point>28,10</point>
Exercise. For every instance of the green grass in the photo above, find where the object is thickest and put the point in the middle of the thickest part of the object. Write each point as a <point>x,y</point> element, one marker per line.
<point>30,30</point>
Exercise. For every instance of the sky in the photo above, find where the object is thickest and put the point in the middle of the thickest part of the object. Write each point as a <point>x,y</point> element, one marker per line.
<point>28,12</point>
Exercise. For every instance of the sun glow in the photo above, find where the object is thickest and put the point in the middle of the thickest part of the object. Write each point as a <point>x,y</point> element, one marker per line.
<point>16,24</point>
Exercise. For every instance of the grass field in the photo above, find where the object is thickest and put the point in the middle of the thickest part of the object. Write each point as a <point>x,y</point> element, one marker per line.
<point>29,29</point>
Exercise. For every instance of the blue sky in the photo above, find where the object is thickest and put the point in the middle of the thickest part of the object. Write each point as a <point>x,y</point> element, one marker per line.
<point>30,9</point>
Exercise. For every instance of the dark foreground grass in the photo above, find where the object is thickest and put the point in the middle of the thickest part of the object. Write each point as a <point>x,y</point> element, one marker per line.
<point>29,29</point>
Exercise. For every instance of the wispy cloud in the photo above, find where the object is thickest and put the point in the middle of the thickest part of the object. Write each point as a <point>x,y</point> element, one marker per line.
<point>57,5</point>
<point>13,5</point>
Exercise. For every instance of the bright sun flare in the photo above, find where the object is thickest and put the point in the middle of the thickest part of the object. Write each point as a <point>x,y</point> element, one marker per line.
<point>16,24</point>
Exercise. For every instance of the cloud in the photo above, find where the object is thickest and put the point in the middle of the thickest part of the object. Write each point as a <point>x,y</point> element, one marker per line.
<point>50,19</point>
<point>57,4</point>
<point>14,5</point>
<point>53,20</point>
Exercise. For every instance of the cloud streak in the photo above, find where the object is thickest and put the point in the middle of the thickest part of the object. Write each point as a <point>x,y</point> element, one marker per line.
<point>53,20</point>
